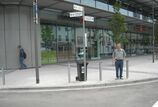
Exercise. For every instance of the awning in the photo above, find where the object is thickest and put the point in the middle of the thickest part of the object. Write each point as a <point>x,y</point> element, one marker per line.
<point>65,6</point>
<point>143,6</point>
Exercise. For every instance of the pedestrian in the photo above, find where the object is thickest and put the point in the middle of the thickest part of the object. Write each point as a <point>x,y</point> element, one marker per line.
<point>22,57</point>
<point>119,55</point>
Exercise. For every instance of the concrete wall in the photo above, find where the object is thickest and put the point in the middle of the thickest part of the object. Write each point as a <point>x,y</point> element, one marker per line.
<point>16,28</point>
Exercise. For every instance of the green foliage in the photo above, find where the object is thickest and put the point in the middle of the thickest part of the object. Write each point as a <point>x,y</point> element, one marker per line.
<point>48,57</point>
<point>47,36</point>
<point>156,33</point>
<point>118,26</point>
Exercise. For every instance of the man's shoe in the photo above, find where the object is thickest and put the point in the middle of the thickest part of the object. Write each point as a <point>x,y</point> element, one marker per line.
<point>121,78</point>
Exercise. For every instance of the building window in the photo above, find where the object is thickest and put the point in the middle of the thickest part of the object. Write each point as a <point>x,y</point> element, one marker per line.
<point>101,5</point>
<point>59,37</point>
<point>88,2</point>
<point>66,29</point>
<point>59,28</point>
<point>67,38</point>
<point>111,9</point>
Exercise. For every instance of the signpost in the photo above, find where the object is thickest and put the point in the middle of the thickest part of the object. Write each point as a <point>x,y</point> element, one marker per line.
<point>78,8</point>
<point>84,47</point>
<point>76,14</point>
<point>89,18</point>
<point>81,12</point>
<point>36,21</point>
<point>153,36</point>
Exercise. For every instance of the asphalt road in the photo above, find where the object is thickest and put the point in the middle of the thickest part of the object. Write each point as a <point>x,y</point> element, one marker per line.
<point>144,95</point>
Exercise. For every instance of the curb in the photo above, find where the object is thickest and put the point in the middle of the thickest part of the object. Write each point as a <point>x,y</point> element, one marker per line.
<point>103,84</point>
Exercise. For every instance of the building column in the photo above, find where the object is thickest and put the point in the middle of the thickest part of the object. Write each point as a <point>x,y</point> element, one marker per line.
<point>16,29</point>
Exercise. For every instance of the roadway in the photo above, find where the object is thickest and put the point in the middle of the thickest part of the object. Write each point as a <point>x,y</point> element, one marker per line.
<point>142,95</point>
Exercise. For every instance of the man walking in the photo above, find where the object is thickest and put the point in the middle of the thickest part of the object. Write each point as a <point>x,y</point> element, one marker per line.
<point>22,57</point>
<point>119,55</point>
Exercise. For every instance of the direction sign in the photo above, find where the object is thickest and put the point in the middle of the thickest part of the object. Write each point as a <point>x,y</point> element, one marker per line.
<point>76,14</point>
<point>77,7</point>
<point>89,18</point>
<point>35,10</point>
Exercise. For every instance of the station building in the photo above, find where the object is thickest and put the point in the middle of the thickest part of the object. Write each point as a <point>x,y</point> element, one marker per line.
<point>65,33</point>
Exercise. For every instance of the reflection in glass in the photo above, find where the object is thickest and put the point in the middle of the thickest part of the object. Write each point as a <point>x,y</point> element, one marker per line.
<point>111,9</point>
<point>48,44</point>
<point>101,5</point>
<point>123,12</point>
<point>88,2</point>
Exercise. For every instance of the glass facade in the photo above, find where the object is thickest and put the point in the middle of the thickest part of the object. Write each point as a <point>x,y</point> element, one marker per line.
<point>139,44</point>
<point>48,44</point>
<point>101,5</point>
<point>108,7</point>
<point>111,9</point>
<point>88,2</point>
<point>67,43</point>
<point>124,12</point>
<point>130,13</point>
<point>62,43</point>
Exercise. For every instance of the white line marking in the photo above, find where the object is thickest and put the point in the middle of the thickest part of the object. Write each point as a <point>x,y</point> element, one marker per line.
<point>156,104</point>
<point>74,89</point>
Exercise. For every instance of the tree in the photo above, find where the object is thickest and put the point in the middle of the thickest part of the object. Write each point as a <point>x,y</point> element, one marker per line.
<point>117,25</point>
<point>47,36</point>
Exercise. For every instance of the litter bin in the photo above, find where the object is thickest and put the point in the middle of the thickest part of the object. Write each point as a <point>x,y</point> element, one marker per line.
<point>80,71</point>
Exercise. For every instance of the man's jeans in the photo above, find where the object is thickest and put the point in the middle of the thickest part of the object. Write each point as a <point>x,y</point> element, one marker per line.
<point>22,65</point>
<point>119,68</point>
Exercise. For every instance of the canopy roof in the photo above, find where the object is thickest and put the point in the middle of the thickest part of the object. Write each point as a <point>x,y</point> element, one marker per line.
<point>144,6</point>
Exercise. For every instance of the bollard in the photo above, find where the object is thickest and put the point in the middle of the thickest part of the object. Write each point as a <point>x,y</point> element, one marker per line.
<point>3,76</point>
<point>127,69</point>
<point>100,71</point>
<point>69,73</point>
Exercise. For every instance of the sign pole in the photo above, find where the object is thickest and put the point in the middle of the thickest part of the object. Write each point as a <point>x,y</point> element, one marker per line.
<point>153,38</point>
<point>35,9</point>
<point>84,47</point>
<point>85,18</point>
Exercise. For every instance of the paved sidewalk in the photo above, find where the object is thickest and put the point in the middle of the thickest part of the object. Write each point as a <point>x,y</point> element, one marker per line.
<point>141,68</point>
